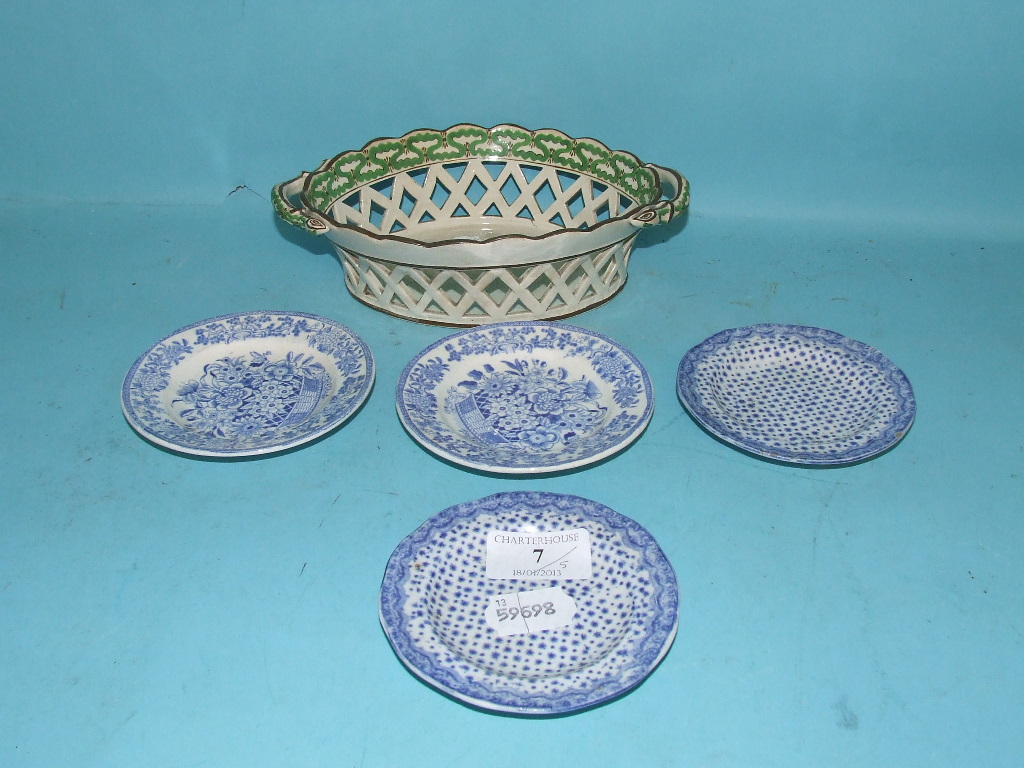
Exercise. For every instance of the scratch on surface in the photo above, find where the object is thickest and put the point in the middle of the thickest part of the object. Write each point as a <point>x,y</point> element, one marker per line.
<point>125,721</point>
<point>672,421</point>
<point>266,677</point>
<point>240,187</point>
<point>847,717</point>
<point>303,569</point>
<point>829,494</point>
<point>734,457</point>
<point>812,477</point>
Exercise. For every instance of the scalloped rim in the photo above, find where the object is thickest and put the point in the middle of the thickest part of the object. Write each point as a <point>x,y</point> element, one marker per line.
<point>692,399</point>
<point>662,214</point>
<point>658,639</point>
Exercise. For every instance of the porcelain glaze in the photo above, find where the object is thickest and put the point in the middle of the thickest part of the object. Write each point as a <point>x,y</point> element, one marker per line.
<point>525,397</point>
<point>475,225</point>
<point>247,384</point>
<point>434,593</point>
<point>796,394</point>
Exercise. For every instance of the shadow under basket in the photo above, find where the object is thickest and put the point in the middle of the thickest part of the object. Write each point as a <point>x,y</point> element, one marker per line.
<point>477,225</point>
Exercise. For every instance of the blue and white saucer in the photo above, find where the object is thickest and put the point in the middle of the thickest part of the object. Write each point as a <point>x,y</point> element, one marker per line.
<point>796,394</point>
<point>247,384</point>
<point>525,397</point>
<point>435,593</point>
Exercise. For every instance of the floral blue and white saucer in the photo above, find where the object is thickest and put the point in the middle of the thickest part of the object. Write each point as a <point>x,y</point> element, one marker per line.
<point>451,624</point>
<point>796,394</point>
<point>247,384</point>
<point>525,397</point>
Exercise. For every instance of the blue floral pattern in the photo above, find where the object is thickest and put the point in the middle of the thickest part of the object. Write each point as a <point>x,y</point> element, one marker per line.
<point>525,397</point>
<point>252,398</point>
<point>528,402</point>
<point>283,380</point>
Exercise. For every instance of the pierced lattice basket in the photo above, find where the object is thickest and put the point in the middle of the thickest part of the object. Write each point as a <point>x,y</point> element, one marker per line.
<point>474,225</point>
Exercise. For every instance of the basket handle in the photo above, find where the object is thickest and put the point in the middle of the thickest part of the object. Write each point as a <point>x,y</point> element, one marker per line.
<point>287,201</point>
<point>675,197</point>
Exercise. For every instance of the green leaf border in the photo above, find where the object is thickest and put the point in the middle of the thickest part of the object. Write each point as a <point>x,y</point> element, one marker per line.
<point>381,158</point>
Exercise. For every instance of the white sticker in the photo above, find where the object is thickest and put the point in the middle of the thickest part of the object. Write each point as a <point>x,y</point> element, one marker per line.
<point>526,613</point>
<point>550,555</point>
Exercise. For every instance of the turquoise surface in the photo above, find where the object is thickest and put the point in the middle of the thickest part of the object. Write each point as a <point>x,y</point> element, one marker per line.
<point>855,168</point>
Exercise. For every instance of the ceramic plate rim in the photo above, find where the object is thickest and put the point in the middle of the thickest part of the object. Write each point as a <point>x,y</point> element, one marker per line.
<point>143,429</point>
<point>437,450</point>
<point>691,399</point>
<point>390,610</point>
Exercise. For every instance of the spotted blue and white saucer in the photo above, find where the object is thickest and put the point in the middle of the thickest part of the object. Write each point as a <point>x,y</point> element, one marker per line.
<point>525,397</point>
<point>796,394</point>
<point>247,384</point>
<point>435,593</point>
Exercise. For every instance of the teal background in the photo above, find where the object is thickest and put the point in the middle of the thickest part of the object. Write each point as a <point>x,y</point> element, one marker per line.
<point>854,166</point>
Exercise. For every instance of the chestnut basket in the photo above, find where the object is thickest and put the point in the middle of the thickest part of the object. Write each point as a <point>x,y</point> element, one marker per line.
<point>474,225</point>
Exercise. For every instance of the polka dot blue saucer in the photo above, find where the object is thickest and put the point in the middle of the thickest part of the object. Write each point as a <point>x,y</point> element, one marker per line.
<point>435,594</point>
<point>796,394</point>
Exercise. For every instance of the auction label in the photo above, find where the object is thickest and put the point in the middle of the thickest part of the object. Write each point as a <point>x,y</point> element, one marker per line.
<point>525,613</point>
<point>551,555</point>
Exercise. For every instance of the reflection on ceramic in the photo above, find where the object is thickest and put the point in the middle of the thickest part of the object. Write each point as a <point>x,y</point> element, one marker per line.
<point>435,592</point>
<point>247,384</point>
<point>796,394</point>
<point>525,397</point>
<point>475,225</point>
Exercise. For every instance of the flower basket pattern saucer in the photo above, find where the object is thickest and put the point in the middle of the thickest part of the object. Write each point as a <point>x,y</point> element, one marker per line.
<point>247,384</point>
<point>435,592</point>
<point>525,397</point>
<point>796,394</point>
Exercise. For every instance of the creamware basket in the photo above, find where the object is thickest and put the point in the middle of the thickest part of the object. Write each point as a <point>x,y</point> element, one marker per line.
<point>475,225</point>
